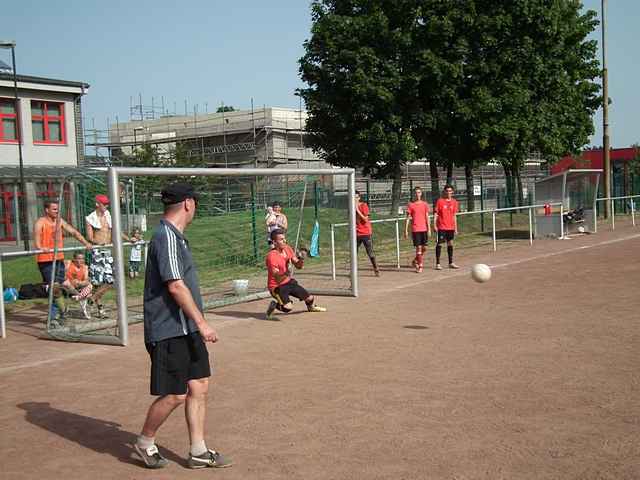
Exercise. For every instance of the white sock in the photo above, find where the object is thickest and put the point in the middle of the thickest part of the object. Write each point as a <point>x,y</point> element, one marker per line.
<point>145,442</point>
<point>198,448</point>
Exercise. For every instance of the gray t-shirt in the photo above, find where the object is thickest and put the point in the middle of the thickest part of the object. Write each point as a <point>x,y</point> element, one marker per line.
<point>169,258</point>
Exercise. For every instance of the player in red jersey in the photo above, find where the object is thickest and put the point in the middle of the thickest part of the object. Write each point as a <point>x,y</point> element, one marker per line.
<point>445,224</point>
<point>418,215</point>
<point>279,281</point>
<point>364,231</point>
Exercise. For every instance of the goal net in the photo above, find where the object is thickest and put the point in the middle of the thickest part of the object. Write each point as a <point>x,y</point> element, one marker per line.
<point>228,237</point>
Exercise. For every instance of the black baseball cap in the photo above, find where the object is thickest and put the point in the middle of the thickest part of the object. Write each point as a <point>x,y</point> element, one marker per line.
<point>177,192</point>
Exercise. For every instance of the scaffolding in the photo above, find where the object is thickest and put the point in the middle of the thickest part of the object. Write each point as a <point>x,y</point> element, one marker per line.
<point>264,137</point>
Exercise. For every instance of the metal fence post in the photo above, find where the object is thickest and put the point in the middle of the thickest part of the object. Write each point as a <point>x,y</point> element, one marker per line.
<point>16,215</point>
<point>613,215</point>
<point>398,243</point>
<point>530,228</point>
<point>633,213</point>
<point>333,252</point>
<point>493,226</point>
<point>561,221</point>
<point>481,204</point>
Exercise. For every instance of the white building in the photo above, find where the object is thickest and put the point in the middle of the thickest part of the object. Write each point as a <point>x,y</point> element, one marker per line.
<point>46,122</point>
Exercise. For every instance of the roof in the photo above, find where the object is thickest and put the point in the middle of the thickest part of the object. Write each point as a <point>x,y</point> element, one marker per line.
<point>593,158</point>
<point>43,80</point>
<point>584,171</point>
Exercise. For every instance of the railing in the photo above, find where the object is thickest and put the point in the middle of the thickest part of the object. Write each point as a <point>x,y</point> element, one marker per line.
<point>613,209</point>
<point>29,253</point>
<point>493,213</point>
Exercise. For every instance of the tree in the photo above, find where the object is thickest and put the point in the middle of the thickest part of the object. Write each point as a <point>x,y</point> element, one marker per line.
<point>552,94</point>
<point>506,78</point>
<point>362,86</point>
<point>225,108</point>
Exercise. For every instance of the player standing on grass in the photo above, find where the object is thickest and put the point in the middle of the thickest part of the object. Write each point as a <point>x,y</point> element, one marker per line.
<point>364,231</point>
<point>418,215</point>
<point>175,332</point>
<point>279,281</point>
<point>445,224</point>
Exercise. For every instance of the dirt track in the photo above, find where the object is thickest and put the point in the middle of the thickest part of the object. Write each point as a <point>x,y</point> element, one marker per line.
<point>533,375</point>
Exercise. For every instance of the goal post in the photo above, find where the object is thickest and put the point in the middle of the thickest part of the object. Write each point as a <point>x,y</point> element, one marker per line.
<point>340,194</point>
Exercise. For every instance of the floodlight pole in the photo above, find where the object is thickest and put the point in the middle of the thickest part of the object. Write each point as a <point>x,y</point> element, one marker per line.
<point>22,199</point>
<point>606,162</point>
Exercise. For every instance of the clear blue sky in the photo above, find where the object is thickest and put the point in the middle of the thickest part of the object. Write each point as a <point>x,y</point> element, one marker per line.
<point>227,51</point>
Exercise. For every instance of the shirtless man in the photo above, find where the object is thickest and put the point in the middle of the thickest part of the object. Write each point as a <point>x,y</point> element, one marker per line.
<point>98,225</point>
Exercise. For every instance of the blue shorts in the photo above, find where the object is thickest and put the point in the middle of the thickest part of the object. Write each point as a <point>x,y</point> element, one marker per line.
<point>46,269</point>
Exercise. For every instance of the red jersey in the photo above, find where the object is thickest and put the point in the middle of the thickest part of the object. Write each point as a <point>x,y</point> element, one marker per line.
<point>278,262</point>
<point>418,212</point>
<point>446,211</point>
<point>363,227</point>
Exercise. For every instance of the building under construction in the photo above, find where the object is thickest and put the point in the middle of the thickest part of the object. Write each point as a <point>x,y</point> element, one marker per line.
<point>267,137</point>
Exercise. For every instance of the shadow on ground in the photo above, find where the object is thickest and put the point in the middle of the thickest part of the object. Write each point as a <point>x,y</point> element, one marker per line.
<point>101,436</point>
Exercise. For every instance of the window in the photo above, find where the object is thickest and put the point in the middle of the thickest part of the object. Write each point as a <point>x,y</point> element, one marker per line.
<point>8,120</point>
<point>47,122</point>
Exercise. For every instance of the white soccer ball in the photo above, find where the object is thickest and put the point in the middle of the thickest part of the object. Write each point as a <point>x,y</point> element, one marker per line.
<point>581,229</point>
<point>480,272</point>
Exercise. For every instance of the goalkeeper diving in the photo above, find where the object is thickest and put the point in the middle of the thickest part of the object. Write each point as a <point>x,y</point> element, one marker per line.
<point>279,282</point>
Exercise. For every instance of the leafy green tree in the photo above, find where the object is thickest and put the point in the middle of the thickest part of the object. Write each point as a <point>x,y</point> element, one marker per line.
<point>362,86</point>
<point>504,78</point>
<point>225,108</point>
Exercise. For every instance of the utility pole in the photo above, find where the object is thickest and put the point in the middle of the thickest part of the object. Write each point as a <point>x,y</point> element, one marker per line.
<point>606,162</point>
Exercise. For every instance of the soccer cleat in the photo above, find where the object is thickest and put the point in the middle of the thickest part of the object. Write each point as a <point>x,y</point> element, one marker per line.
<point>269,314</point>
<point>420,269</point>
<point>453,265</point>
<point>151,456</point>
<point>315,308</point>
<point>438,266</point>
<point>210,458</point>
<point>376,272</point>
<point>102,313</point>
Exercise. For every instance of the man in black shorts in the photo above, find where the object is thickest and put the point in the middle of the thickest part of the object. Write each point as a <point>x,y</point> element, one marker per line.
<point>364,231</point>
<point>175,332</point>
<point>280,283</point>
<point>418,216</point>
<point>446,224</point>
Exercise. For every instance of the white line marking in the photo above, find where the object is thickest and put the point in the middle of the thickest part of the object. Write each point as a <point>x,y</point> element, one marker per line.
<point>49,360</point>
<point>466,271</point>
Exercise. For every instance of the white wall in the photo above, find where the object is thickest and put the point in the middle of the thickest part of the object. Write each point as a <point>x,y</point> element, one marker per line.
<point>63,155</point>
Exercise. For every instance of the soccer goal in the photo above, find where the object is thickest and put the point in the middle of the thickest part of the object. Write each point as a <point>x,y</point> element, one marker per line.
<point>228,237</point>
